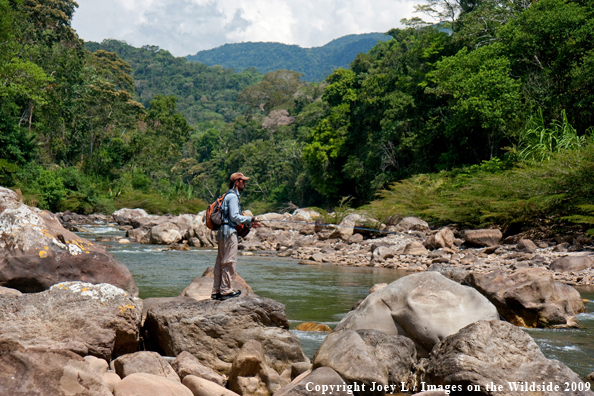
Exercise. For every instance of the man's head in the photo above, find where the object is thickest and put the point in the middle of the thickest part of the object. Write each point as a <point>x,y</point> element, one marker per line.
<point>238,180</point>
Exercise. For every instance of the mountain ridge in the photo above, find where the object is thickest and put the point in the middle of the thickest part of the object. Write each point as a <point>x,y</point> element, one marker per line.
<point>315,63</point>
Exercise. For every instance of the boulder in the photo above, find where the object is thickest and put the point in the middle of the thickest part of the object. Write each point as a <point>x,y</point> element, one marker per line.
<point>201,286</point>
<point>449,271</point>
<point>137,233</point>
<point>305,241</point>
<point>355,238</point>
<point>528,297</point>
<point>383,253</point>
<point>144,362</point>
<point>444,238</point>
<point>214,331</point>
<point>426,307</point>
<point>36,252</point>
<point>148,222</point>
<point>495,352</point>
<point>486,237</point>
<point>124,216</point>
<point>40,372</point>
<point>412,224</point>
<point>202,387</point>
<point>165,234</point>
<point>185,224</point>
<point>99,320</point>
<point>415,249</point>
<point>572,263</point>
<point>187,364</point>
<point>142,384</point>
<point>345,229</point>
<point>367,357</point>
<point>322,376</point>
<point>110,379</point>
<point>250,375</point>
<point>100,366</point>
<point>526,245</point>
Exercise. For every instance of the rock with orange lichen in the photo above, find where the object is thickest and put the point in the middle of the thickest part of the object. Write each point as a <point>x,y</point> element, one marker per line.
<point>311,326</point>
<point>36,252</point>
<point>100,320</point>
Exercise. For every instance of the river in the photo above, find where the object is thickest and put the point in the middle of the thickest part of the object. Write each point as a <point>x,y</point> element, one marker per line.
<point>322,294</point>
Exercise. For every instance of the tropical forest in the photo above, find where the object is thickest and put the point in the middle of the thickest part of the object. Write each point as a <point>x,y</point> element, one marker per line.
<point>475,113</point>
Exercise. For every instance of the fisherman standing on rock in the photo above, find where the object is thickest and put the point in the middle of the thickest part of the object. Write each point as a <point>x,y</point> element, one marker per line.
<point>224,269</point>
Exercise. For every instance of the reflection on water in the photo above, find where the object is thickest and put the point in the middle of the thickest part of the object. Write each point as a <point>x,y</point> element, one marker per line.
<point>322,294</point>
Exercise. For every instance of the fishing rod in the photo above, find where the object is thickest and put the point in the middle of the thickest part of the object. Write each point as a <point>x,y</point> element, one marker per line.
<point>329,225</point>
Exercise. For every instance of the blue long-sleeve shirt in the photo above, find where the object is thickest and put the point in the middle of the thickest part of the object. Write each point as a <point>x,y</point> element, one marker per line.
<point>231,211</point>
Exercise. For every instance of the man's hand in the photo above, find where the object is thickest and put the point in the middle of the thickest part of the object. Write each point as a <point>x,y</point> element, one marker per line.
<point>255,223</point>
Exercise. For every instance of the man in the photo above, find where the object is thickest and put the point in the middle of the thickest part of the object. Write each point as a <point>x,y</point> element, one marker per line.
<point>224,270</point>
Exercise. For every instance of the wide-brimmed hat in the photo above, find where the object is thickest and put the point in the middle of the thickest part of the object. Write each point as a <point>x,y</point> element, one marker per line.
<point>238,176</point>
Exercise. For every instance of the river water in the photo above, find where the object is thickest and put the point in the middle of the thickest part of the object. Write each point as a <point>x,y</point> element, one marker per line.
<point>321,294</point>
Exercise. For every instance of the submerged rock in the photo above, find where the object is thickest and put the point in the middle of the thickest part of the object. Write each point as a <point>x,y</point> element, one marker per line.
<point>99,320</point>
<point>36,252</point>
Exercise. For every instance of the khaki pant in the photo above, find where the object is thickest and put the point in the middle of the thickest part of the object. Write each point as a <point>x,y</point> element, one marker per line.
<point>224,269</point>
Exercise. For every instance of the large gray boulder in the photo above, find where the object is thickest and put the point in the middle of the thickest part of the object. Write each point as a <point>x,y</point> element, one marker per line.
<point>426,307</point>
<point>530,297</point>
<point>495,352</point>
<point>368,357</point>
<point>99,320</point>
<point>36,252</point>
<point>165,234</point>
<point>214,331</point>
<point>125,216</point>
<point>41,372</point>
<point>322,377</point>
<point>572,263</point>
<point>485,237</point>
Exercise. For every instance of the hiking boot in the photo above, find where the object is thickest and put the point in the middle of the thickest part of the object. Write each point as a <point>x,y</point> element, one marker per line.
<point>216,296</point>
<point>233,294</point>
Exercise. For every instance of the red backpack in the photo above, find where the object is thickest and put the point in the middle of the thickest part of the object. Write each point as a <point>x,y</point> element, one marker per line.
<point>214,215</point>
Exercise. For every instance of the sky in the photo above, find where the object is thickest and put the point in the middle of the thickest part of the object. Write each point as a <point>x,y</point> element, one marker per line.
<point>184,27</point>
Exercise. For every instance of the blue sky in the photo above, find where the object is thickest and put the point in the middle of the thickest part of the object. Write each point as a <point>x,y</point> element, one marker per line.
<point>185,27</point>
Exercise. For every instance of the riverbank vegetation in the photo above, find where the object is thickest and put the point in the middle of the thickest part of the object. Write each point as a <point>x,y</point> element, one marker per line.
<point>484,118</point>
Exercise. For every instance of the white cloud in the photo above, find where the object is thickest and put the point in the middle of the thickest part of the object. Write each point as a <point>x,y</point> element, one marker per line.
<point>187,26</point>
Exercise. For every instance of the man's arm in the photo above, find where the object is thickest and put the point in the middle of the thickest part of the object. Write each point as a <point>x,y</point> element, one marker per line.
<point>234,214</point>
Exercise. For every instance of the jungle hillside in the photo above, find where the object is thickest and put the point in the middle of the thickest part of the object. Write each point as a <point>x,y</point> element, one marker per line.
<point>484,117</point>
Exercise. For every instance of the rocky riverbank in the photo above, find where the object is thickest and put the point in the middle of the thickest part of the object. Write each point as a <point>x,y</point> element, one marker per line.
<point>407,243</point>
<point>85,335</point>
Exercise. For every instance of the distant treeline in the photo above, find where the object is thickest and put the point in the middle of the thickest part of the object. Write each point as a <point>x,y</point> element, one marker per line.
<point>314,63</point>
